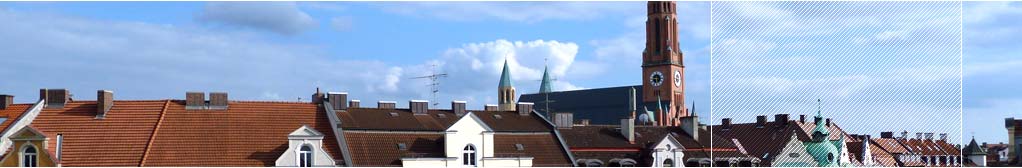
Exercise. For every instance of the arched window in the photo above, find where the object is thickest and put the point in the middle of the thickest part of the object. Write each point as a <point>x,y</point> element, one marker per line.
<point>305,156</point>
<point>668,163</point>
<point>29,157</point>
<point>469,155</point>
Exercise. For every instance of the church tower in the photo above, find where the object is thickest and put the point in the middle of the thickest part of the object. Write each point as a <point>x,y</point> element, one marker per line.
<point>663,71</point>
<point>505,92</point>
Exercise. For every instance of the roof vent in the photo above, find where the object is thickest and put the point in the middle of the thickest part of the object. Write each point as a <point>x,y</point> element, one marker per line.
<point>195,100</point>
<point>441,115</point>
<point>56,98</point>
<point>104,101</point>
<point>458,107</point>
<point>393,114</point>
<point>218,100</point>
<point>497,116</point>
<point>520,147</point>
<point>402,146</point>
<point>419,107</point>
<point>354,103</point>
<point>386,104</point>
<point>5,101</point>
<point>338,100</point>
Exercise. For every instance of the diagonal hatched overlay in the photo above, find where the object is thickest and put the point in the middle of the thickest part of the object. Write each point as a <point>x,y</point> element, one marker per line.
<point>877,66</point>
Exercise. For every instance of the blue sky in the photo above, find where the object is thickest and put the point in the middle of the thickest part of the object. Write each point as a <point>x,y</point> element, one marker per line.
<point>283,50</point>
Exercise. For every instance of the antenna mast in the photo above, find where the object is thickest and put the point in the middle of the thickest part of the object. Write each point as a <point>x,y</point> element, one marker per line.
<point>434,85</point>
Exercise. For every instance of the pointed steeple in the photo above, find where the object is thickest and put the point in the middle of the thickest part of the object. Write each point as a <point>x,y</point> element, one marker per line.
<point>544,86</point>
<point>820,133</point>
<point>505,76</point>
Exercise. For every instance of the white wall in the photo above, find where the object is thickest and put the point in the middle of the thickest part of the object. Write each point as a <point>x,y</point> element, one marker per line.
<point>662,152</point>
<point>468,130</point>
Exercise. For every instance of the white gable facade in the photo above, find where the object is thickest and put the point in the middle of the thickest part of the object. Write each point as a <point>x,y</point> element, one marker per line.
<point>468,143</point>
<point>667,153</point>
<point>308,142</point>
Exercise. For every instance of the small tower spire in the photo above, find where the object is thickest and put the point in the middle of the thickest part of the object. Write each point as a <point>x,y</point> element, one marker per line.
<point>506,92</point>
<point>544,86</point>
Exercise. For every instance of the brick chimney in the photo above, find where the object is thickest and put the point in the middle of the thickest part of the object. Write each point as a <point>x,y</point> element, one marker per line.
<point>919,135</point>
<point>42,94</point>
<point>725,123</point>
<point>628,129</point>
<point>564,120</point>
<point>904,134</point>
<point>386,104</point>
<point>828,122</point>
<point>490,107</point>
<point>5,101</point>
<point>104,101</point>
<point>195,100</point>
<point>338,100</point>
<point>887,135</point>
<point>760,121</point>
<point>943,136</point>
<point>524,108</point>
<point>780,120</point>
<point>56,98</point>
<point>928,135</point>
<point>354,104</point>
<point>218,100</point>
<point>419,107</point>
<point>317,98</point>
<point>459,107</point>
<point>802,118</point>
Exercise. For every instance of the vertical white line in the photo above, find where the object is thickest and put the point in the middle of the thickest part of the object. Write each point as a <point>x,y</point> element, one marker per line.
<point>961,72</point>
<point>711,84</point>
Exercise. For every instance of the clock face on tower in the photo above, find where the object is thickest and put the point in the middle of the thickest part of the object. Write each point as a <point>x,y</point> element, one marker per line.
<point>656,78</point>
<point>677,78</point>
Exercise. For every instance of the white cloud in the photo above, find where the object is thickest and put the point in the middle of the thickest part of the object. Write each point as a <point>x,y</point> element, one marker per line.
<point>512,11</point>
<point>279,17</point>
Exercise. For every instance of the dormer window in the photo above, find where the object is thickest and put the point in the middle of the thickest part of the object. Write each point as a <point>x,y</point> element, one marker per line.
<point>305,149</point>
<point>305,156</point>
<point>29,157</point>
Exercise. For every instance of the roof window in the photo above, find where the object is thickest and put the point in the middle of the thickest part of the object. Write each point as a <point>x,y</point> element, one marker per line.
<point>402,146</point>
<point>520,147</point>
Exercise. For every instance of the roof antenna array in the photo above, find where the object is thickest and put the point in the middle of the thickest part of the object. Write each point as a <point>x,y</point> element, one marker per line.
<point>434,85</point>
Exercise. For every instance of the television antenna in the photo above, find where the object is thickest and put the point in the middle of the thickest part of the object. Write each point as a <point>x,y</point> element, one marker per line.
<point>434,84</point>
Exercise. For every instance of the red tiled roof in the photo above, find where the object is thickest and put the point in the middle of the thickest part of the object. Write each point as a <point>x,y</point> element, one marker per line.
<point>246,134</point>
<point>117,140</point>
<point>380,148</point>
<point>12,112</point>
<point>891,145</point>
<point>543,147</point>
<point>881,156</point>
<point>767,140</point>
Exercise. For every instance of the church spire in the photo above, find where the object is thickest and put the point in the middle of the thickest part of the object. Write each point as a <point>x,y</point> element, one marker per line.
<point>506,92</point>
<point>505,76</point>
<point>544,86</point>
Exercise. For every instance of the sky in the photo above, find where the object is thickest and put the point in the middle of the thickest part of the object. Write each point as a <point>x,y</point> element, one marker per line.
<point>373,50</point>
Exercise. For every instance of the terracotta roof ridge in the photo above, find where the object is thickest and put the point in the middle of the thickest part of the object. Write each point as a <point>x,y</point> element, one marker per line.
<point>152,137</point>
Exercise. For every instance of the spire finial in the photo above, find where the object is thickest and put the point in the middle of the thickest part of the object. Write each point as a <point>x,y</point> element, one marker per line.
<point>819,107</point>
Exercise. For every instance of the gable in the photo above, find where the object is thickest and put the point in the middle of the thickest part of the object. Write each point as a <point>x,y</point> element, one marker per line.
<point>305,131</point>
<point>669,140</point>
<point>469,121</point>
<point>28,133</point>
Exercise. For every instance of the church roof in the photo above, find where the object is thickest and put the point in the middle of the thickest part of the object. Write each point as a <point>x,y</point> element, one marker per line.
<point>505,76</point>
<point>973,148</point>
<point>600,105</point>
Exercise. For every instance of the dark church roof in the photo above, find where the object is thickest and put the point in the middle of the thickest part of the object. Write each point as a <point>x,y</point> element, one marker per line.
<point>600,106</point>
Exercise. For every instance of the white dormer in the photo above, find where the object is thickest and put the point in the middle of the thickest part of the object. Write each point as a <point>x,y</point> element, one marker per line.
<point>305,149</point>
<point>668,153</point>
<point>468,143</point>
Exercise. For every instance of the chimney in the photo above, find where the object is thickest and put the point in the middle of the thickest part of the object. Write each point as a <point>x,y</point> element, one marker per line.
<point>42,94</point>
<point>760,121</point>
<point>943,136</point>
<point>419,107</point>
<point>691,126</point>
<point>564,120</point>
<point>887,135</point>
<point>338,100</point>
<point>317,98</point>
<point>354,104</point>
<point>904,134</point>
<point>490,107</point>
<point>5,101</point>
<point>386,105</point>
<point>919,135</point>
<point>802,118</point>
<point>628,129</point>
<point>583,122</point>
<point>725,123</point>
<point>828,122</point>
<point>929,135</point>
<point>195,100</point>
<point>524,108</point>
<point>458,107</point>
<point>56,98</point>
<point>781,120</point>
<point>218,100</point>
<point>104,101</point>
